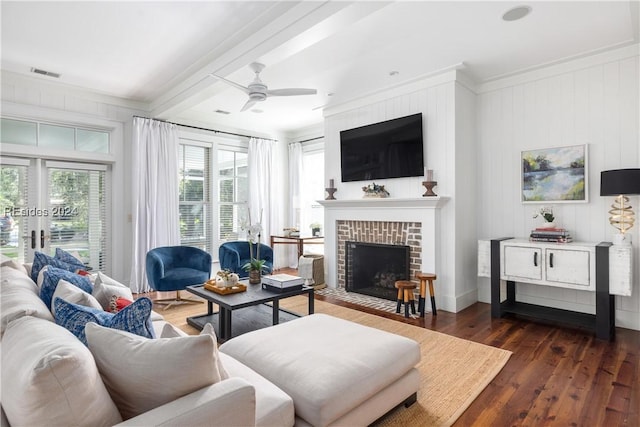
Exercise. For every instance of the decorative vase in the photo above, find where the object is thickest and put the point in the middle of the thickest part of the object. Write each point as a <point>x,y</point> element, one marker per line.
<point>548,224</point>
<point>255,278</point>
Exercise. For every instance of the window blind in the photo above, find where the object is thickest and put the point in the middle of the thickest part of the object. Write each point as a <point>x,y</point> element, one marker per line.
<point>195,196</point>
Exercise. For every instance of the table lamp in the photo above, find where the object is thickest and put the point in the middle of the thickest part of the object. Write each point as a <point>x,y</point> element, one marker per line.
<point>620,183</point>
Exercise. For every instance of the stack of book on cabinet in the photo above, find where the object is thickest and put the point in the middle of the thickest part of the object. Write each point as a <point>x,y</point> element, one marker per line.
<point>555,235</point>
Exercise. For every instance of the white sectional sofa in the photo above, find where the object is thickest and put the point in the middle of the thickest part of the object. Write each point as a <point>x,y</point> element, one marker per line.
<point>314,371</point>
<point>50,378</point>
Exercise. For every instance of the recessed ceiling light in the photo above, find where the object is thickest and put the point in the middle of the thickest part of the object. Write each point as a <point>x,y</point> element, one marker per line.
<point>222,112</point>
<point>516,13</point>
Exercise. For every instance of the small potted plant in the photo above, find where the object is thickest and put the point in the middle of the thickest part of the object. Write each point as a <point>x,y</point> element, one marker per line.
<point>375,190</point>
<point>255,267</point>
<point>315,228</point>
<point>547,215</point>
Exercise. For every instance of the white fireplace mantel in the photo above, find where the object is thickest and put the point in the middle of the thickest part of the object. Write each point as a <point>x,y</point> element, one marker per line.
<point>425,210</point>
<point>386,202</point>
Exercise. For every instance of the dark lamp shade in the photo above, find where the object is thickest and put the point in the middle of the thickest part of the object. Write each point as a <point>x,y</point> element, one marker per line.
<point>619,181</point>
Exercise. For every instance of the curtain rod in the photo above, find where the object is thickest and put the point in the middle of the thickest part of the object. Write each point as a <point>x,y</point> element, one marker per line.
<point>306,140</point>
<point>210,130</point>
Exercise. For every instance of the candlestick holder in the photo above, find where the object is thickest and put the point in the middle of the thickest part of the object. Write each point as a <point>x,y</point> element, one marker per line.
<point>330,190</point>
<point>429,186</point>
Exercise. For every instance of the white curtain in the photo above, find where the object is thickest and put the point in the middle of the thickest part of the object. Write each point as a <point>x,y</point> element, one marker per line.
<point>295,178</point>
<point>260,160</point>
<point>155,193</point>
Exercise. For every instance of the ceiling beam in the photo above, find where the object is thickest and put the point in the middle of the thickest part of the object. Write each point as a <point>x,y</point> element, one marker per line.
<point>282,22</point>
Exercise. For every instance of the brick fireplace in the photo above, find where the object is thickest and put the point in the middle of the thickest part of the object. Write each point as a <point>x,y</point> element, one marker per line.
<point>386,232</point>
<point>412,222</point>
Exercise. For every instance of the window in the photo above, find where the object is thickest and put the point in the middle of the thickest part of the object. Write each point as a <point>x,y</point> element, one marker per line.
<point>77,211</point>
<point>213,186</point>
<point>195,196</point>
<point>54,136</point>
<point>67,209</point>
<point>63,203</point>
<point>233,190</point>
<point>312,187</point>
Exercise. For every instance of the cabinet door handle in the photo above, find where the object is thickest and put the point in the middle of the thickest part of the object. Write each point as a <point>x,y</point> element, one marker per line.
<point>551,260</point>
<point>535,259</point>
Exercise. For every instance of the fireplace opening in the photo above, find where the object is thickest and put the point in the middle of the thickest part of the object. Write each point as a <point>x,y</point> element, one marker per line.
<point>373,268</point>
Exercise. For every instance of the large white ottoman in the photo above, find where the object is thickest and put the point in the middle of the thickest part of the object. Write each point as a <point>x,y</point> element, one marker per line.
<point>337,372</point>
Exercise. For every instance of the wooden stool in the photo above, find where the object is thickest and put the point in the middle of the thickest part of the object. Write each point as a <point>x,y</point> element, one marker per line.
<point>424,278</point>
<point>405,295</point>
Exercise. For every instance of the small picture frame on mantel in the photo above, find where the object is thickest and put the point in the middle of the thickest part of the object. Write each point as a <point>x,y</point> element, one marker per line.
<point>554,175</point>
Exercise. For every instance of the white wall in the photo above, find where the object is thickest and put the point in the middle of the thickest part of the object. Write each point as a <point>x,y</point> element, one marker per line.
<point>466,196</point>
<point>592,101</point>
<point>448,110</point>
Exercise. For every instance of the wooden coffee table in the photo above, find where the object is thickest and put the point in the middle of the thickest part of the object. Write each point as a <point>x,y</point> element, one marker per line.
<point>250,307</point>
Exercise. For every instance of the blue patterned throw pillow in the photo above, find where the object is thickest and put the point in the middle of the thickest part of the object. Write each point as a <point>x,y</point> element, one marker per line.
<point>65,256</point>
<point>134,318</point>
<point>51,277</point>
<point>41,259</point>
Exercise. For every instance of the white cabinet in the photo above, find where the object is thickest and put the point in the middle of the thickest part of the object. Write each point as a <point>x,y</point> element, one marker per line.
<point>584,266</point>
<point>521,262</point>
<point>567,265</point>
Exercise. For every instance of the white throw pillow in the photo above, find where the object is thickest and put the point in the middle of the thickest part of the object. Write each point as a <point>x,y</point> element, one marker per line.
<point>73,294</point>
<point>105,287</point>
<point>169,331</point>
<point>142,373</point>
<point>9,262</point>
<point>19,298</point>
<point>208,330</point>
<point>52,378</point>
<point>27,267</point>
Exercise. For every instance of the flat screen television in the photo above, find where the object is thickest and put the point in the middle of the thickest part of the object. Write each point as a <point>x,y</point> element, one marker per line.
<point>389,149</point>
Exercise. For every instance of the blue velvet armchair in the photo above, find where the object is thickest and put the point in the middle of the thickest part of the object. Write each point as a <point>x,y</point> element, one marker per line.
<point>233,255</point>
<point>173,268</point>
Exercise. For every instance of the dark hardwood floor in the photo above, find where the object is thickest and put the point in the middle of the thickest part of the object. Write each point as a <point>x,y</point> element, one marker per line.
<point>556,376</point>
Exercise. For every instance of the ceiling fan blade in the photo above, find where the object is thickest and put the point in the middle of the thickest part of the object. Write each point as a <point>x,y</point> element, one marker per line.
<point>234,84</point>
<point>250,103</point>
<point>291,92</point>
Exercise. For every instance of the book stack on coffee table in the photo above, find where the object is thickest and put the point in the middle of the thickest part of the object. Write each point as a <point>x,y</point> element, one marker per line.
<point>282,282</point>
<point>553,235</point>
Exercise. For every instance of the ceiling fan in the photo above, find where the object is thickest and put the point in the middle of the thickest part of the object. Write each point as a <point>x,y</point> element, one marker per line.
<point>258,91</point>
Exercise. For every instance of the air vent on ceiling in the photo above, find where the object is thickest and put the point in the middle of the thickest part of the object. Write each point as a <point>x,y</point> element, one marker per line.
<point>45,73</point>
<point>222,112</point>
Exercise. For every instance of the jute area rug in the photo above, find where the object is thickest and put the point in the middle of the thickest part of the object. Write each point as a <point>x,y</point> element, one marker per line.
<point>453,371</point>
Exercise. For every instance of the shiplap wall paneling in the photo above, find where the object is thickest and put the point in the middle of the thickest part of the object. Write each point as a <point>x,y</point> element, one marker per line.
<point>597,105</point>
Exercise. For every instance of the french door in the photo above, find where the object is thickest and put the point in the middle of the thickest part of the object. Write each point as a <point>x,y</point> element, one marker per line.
<point>52,204</point>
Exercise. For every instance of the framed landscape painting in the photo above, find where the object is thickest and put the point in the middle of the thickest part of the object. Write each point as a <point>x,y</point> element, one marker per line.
<point>554,175</point>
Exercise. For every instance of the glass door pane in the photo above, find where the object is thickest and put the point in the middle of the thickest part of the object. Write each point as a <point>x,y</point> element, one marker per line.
<point>14,211</point>
<point>76,220</point>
